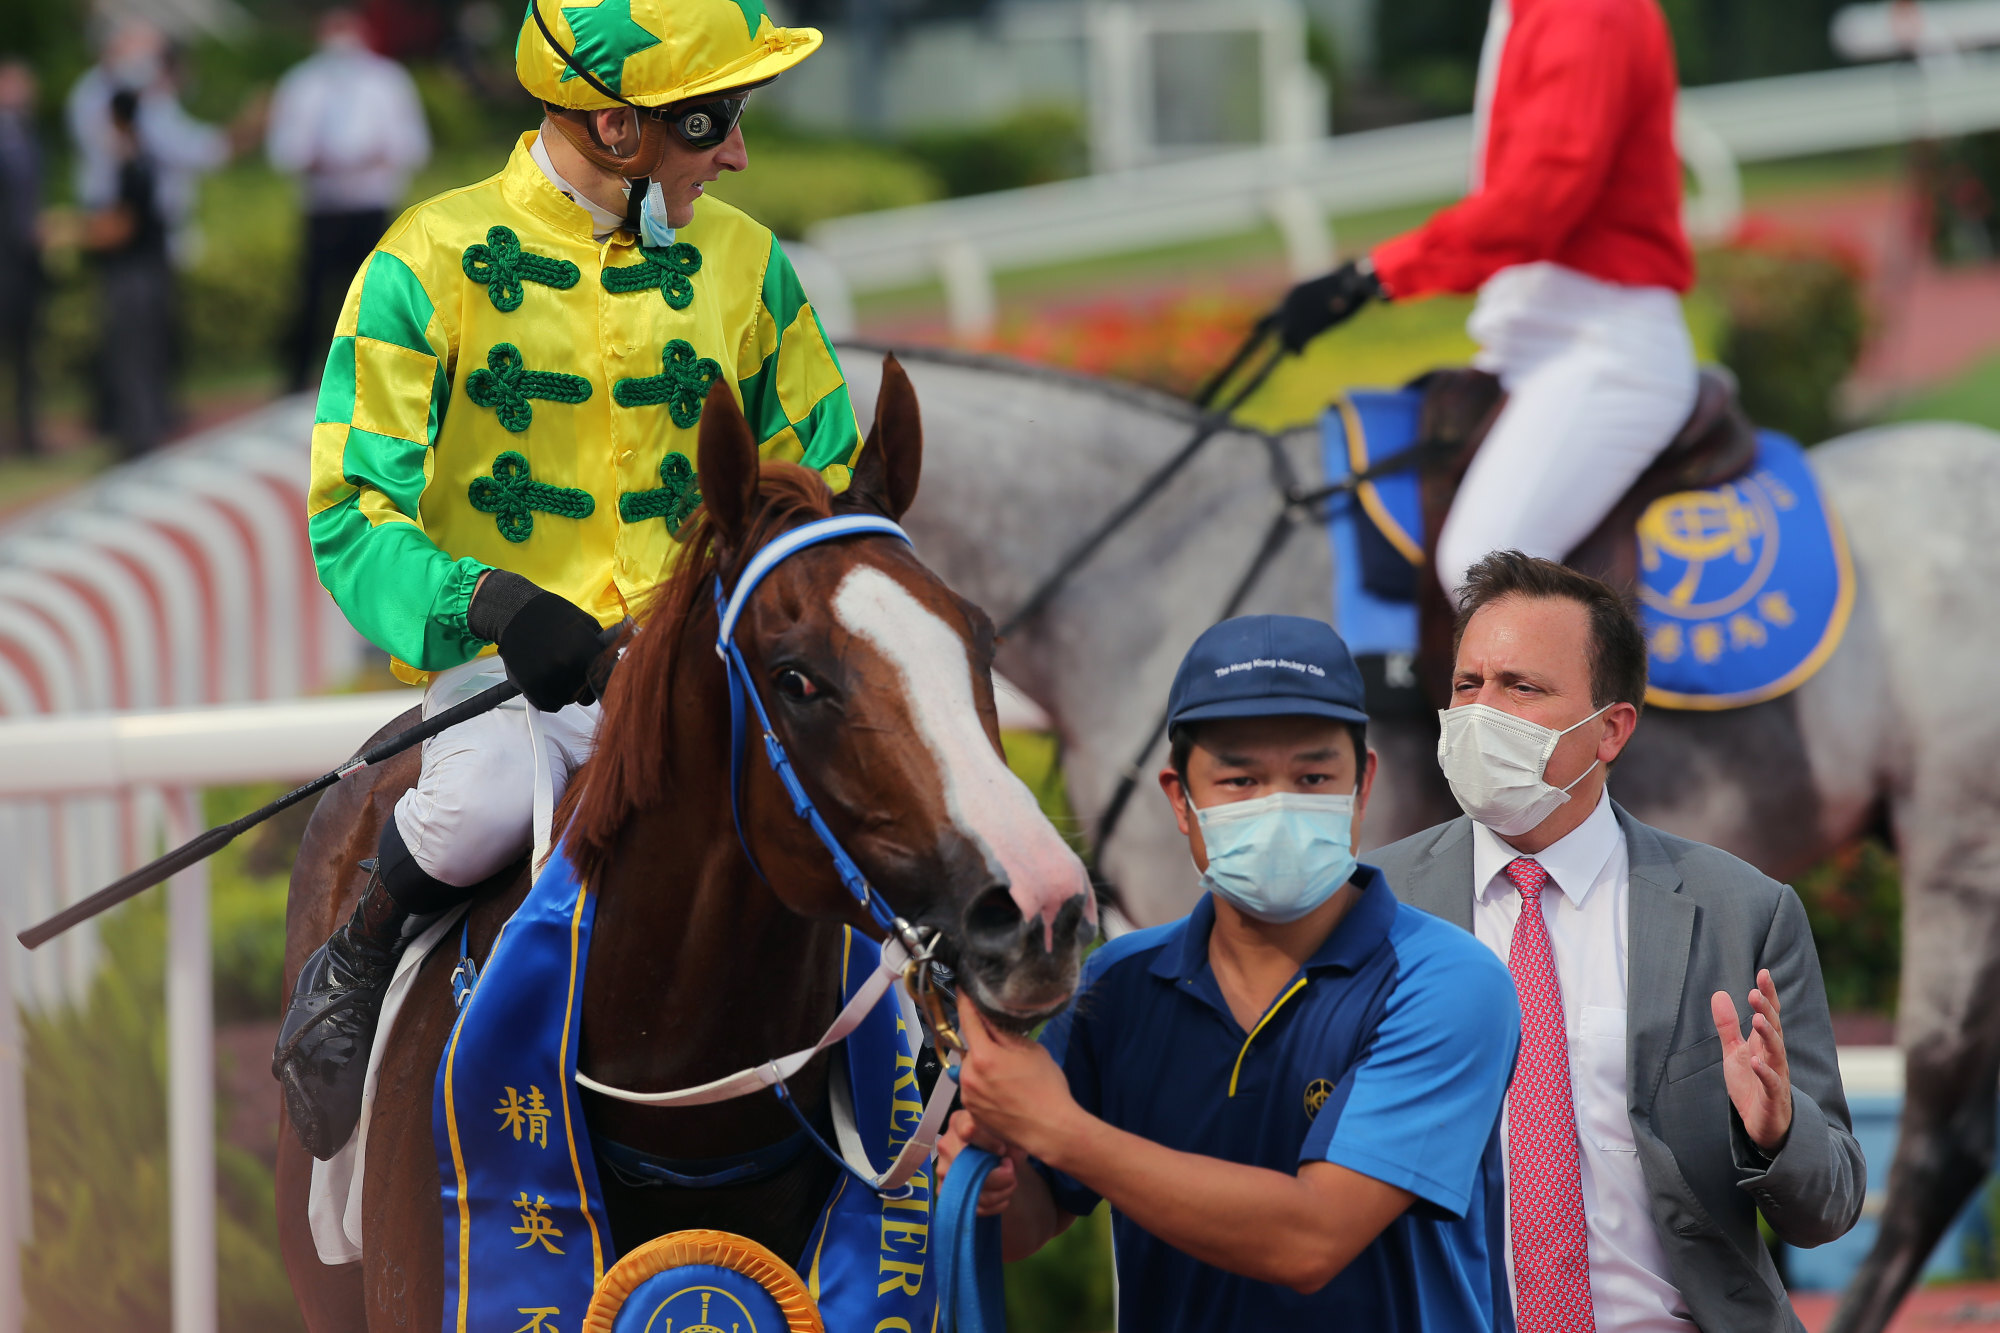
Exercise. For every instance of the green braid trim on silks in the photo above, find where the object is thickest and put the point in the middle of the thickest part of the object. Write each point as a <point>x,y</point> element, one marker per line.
<point>679,496</point>
<point>501,266</point>
<point>667,269</point>
<point>514,498</point>
<point>682,384</point>
<point>506,385</point>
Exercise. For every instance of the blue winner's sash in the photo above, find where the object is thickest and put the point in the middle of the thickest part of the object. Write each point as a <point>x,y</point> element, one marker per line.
<point>1744,589</point>
<point>526,1238</point>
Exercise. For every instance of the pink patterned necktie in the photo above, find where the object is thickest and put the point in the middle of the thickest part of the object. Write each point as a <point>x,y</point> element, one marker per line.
<point>1545,1192</point>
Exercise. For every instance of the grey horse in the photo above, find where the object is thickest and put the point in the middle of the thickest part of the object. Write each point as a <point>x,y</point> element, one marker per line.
<point>1889,736</point>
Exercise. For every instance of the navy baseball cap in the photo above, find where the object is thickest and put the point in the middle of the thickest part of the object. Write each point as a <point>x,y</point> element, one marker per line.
<point>1267,666</point>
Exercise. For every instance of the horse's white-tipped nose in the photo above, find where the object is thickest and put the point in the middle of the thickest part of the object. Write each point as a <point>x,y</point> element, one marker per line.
<point>984,801</point>
<point>1045,879</point>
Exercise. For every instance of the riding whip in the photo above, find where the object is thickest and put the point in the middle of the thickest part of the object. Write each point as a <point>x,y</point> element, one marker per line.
<point>205,845</point>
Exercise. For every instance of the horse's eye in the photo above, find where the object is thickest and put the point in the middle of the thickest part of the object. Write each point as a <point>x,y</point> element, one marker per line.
<point>795,684</point>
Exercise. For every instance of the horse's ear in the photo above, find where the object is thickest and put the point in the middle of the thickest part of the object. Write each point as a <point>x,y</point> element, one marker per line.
<point>885,478</point>
<point>726,461</point>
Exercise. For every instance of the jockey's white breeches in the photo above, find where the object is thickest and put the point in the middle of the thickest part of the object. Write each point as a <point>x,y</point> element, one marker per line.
<point>1599,380</point>
<point>472,811</point>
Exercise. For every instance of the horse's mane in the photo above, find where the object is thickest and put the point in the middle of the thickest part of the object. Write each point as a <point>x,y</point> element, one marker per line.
<point>629,767</point>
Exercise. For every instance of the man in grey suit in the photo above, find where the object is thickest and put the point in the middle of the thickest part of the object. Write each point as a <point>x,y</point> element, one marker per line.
<point>1644,1131</point>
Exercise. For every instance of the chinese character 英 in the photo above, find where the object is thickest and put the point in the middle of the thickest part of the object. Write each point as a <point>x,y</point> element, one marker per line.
<point>535,1318</point>
<point>531,1115</point>
<point>536,1224</point>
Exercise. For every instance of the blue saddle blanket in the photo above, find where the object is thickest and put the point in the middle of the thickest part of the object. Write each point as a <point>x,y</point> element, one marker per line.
<point>1744,589</point>
<point>526,1238</point>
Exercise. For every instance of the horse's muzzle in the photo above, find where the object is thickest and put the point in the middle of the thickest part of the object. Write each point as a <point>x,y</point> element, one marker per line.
<point>1005,964</point>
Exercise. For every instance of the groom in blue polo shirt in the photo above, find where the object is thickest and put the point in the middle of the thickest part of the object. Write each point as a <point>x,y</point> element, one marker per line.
<point>1291,1097</point>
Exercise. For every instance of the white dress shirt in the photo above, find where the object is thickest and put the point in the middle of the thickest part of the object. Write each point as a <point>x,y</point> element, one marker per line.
<point>350,123</point>
<point>1631,1288</point>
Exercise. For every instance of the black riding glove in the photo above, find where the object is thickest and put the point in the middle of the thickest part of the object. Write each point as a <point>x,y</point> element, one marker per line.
<point>1316,305</point>
<point>547,642</point>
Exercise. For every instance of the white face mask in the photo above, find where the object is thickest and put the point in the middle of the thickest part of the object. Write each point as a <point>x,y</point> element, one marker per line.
<point>1278,857</point>
<point>1494,762</point>
<point>654,233</point>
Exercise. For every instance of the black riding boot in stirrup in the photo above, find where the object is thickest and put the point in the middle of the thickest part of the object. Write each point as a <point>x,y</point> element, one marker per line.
<point>322,1055</point>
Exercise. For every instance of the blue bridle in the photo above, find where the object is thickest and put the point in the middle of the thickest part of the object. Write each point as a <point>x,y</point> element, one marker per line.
<point>744,698</point>
<point>969,1269</point>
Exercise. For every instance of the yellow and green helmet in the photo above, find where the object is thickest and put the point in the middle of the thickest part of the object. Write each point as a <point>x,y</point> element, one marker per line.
<point>651,52</point>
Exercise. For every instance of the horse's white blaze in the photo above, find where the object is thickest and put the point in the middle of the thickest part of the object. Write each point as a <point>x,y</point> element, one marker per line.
<point>991,807</point>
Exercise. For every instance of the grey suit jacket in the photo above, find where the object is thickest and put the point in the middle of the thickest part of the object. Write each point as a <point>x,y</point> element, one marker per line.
<point>1702,921</point>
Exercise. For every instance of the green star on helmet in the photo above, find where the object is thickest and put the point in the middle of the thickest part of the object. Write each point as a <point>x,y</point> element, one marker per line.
<point>753,10</point>
<point>606,37</point>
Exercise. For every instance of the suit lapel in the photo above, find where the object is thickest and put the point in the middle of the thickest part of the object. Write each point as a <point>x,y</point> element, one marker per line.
<point>1661,934</point>
<point>1441,882</point>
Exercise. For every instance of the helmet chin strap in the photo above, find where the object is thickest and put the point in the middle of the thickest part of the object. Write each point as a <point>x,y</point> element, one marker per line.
<point>639,165</point>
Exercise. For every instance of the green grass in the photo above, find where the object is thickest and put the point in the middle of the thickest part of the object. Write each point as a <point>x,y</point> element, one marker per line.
<point>29,481</point>
<point>1973,396</point>
<point>96,1087</point>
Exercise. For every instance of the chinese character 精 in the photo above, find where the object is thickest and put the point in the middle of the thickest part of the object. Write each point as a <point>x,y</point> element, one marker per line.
<point>531,1115</point>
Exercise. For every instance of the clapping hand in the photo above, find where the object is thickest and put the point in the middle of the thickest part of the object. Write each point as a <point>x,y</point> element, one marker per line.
<point>1754,1067</point>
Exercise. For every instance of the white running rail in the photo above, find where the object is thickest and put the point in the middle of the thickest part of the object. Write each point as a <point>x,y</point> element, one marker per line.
<point>963,242</point>
<point>183,580</point>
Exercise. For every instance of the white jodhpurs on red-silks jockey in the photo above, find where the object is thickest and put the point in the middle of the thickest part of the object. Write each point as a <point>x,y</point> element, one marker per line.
<point>1571,234</point>
<point>1599,377</point>
<point>472,811</point>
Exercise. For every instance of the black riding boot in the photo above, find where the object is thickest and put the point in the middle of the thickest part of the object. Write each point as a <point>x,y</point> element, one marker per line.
<point>321,1059</point>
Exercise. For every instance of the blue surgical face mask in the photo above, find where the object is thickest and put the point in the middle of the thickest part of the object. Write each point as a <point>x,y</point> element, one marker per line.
<point>1277,857</point>
<point>654,233</point>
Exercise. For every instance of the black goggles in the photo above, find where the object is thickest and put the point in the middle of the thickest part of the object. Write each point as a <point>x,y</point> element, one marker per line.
<point>704,124</point>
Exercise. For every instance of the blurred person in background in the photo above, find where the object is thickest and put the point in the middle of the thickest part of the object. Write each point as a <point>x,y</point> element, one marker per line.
<point>1572,237</point>
<point>127,238</point>
<point>137,58</point>
<point>20,249</point>
<point>348,123</point>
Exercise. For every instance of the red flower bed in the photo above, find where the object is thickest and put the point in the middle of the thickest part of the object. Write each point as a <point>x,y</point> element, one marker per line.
<point>1171,342</point>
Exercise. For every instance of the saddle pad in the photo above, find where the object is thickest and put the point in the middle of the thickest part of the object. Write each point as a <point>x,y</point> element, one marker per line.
<point>526,1237</point>
<point>1744,589</point>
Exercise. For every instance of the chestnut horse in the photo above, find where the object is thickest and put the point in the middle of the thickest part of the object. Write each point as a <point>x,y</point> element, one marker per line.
<point>877,678</point>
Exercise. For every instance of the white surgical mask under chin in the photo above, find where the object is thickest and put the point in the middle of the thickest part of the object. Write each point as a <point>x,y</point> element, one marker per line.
<point>1495,764</point>
<point>1277,857</point>
<point>654,233</point>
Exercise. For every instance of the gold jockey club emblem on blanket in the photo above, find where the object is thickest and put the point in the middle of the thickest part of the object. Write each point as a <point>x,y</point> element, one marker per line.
<point>1706,558</point>
<point>730,1316</point>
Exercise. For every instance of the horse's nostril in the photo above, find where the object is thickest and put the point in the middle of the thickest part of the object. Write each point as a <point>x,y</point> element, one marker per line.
<point>993,918</point>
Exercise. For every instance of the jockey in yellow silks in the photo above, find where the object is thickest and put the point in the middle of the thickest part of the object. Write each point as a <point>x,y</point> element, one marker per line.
<point>503,454</point>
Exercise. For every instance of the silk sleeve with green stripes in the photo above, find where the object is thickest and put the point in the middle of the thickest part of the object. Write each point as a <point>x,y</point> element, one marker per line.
<point>380,404</point>
<point>793,391</point>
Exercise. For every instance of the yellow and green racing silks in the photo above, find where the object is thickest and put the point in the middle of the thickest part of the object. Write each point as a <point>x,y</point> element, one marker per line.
<point>505,392</point>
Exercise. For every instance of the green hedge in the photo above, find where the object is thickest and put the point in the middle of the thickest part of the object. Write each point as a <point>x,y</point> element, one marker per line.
<point>1793,324</point>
